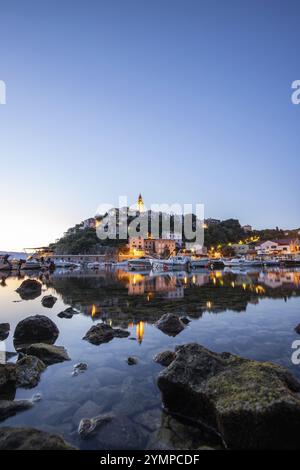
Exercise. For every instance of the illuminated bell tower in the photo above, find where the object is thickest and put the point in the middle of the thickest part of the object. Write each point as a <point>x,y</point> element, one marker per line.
<point>140,204</point>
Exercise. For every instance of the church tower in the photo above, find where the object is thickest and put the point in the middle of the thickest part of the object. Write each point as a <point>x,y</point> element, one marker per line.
<point>140,204</point>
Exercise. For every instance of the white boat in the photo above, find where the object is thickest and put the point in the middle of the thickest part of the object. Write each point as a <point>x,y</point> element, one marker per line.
<point>95,265</point>
<point>60,263</point>
<point>200,263</point>
<point>139,263</point>
<point>31,263</point>
<point>180,261</point>
<point>172,264</point>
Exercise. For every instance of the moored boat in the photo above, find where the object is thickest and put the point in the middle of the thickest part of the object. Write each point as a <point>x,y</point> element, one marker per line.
<point>31,263</point>
<point>139,263</point>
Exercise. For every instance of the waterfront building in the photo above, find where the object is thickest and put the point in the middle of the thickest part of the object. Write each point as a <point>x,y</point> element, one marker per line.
<point>278,247</point>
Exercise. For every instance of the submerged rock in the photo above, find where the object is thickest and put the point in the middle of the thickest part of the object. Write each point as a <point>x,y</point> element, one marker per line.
<point>4,331</point>
<point>10,408</point>
<point>164,358</point>
<point>31,439</point>
<point>252,405</point>
<point>89,425</point>
<point>48,301</point>
<point>35,329</point>
<point>170,324</point>
<point>131,361</point>
<point>29,289</point>
<point>28,371</point>
<point>88,410</point>
<point>48,353</point>
<point>79,368</point>
<point>103,333</point>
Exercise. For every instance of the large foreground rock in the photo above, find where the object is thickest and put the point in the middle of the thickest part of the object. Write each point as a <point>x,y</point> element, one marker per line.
<point>252,405</point>
<point>170,324</point>
<point>48,353</point>
<point>31,439</point>
<point>103,333</point>
<point>10,408</point>
<point>29,289</point>
<point>35,329</point>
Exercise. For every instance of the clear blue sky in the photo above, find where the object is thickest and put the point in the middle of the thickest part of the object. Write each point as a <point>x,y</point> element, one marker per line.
<point>185,101</point>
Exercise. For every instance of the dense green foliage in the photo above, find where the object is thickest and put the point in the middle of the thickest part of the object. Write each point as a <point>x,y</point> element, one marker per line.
<point>228,231</point>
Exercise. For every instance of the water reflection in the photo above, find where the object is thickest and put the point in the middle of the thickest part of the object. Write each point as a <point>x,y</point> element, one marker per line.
<point>118,296</point>
<point>264,331</point>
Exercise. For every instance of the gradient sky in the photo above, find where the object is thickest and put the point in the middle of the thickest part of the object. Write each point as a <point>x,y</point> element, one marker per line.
<point>185,101</point>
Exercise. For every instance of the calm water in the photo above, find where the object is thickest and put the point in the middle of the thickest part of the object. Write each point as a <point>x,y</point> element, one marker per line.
<point>251,313</point>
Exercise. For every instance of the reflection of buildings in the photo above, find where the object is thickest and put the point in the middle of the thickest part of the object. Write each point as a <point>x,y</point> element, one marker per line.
<point>275,279</point>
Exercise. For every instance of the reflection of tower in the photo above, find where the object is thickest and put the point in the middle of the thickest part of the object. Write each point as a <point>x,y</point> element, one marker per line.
<point>140,204</point>
<point>140,328</point>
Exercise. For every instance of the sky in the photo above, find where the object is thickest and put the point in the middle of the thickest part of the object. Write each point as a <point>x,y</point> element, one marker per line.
<point>185,101</point>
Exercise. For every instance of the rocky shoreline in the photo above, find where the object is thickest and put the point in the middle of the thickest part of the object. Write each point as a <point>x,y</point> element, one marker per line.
<point>245,404</point>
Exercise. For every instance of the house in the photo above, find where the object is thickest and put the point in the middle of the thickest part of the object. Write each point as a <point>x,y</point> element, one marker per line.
<point>157,246</point>
<point>241,249</point>
<point>285,246</point>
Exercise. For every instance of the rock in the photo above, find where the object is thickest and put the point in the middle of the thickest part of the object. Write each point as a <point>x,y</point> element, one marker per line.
<point>103,333</point>
<point>251,404</point>
<point>150,419</point>
<point>31,439</point>
<point>173,434</point>
<point>164,358</point>
<point>4,331</point>
<point>79,368</point>
<point>28,371</point>
<point>68,313</point>
<point>170,324</point>
<point>185,320</point>
<point>48,301</point>
<point>35,329</point>
<point>297,329</point>
<point>120,434</point>
<point>72,310</point>
<point>10,408</point>
<point>65,314</point>
<point>88,425</point>
<point>29,289</point>
<point>88,410</point>
<point>8,377</point>
<point>131,361</point>
<point>36,397</point>
<point>48,353</point>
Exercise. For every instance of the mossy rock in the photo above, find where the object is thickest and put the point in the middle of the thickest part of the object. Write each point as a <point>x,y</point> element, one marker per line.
<point>250,404</point>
